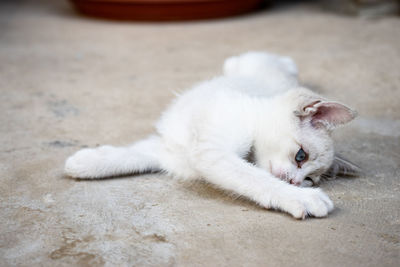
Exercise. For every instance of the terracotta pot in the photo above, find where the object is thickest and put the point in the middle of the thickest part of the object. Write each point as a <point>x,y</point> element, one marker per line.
<point>164,9</point>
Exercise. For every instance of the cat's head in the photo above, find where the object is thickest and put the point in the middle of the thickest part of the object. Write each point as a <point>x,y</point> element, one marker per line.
<point>300,136</point>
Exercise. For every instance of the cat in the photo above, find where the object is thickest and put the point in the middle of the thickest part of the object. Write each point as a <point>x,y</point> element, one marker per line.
<point>256,108</point>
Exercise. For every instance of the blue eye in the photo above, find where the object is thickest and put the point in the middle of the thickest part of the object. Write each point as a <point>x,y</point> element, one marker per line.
<point>301,156</point>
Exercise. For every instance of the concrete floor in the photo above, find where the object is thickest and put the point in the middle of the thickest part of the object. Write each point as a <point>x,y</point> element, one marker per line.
<point>68,82</point>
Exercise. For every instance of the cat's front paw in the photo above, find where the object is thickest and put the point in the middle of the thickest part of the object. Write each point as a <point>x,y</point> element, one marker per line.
<point>302,202</point>
<point>86,163</point>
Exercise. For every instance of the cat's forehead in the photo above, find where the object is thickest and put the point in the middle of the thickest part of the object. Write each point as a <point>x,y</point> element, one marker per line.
<point>311,138</point>
<point>315,141</point>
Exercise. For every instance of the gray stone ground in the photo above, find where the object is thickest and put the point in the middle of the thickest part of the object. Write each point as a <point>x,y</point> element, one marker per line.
<point>69,82</point>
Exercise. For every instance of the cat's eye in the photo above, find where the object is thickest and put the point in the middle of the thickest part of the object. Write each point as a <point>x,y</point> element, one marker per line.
<point>300,157</point>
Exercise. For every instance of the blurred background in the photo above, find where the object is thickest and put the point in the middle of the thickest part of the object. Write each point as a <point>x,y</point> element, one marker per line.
<point>81,73</point>
<point>201,9</point>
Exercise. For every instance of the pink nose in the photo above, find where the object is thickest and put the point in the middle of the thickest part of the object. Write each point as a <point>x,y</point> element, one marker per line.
<point>292,181</point>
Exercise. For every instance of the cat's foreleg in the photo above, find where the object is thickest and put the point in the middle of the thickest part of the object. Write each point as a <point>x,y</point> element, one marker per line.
<point>230,172</point>
<point>109,161</point>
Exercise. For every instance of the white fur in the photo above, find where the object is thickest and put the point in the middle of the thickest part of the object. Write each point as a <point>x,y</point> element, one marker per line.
<point>208,131</point>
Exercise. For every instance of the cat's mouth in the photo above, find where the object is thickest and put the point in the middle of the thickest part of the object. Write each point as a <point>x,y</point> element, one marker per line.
<point>289,180</point>
<point>309,179</point>
<point>308,182</point>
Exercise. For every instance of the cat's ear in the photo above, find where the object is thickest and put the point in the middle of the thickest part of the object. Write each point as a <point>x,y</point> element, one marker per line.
<point>327,114</point>
<point>318,111</point>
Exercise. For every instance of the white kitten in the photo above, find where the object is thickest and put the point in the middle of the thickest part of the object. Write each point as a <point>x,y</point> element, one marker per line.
<point>209,131</point>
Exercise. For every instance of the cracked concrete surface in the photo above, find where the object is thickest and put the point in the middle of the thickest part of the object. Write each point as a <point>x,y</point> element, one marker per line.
<point>69,82</point>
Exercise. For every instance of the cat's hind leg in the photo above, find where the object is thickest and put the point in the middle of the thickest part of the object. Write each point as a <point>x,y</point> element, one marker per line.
<point>109,161</point>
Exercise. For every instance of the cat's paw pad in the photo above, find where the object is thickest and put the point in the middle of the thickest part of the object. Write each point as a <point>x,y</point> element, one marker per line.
<point>86,163</point>
<point>308,202</point>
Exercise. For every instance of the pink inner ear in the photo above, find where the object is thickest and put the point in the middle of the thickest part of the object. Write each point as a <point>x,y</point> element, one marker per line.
<point>332,113</point>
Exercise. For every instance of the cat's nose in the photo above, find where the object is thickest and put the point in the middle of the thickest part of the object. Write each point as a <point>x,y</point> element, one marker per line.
<point>292,181</point>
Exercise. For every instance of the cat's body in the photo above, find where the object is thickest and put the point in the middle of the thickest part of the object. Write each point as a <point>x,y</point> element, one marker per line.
<point>207,133</point>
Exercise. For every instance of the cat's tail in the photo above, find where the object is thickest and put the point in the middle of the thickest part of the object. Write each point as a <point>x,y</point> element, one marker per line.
<point>110,161</point>
<point>278,73</point>
<point>259,63</point>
